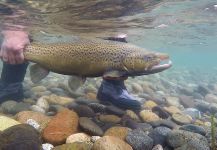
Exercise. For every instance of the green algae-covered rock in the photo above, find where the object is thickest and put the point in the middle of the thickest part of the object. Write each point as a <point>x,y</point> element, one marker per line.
<point>20,137</point>
<point>74,146</point>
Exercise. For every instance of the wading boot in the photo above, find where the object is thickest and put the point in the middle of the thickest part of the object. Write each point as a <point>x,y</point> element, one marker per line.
<point>115,92</point>
<point>11,87</point>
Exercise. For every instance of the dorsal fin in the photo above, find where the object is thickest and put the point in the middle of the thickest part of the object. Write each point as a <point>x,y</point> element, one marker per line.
<point>118,38</point>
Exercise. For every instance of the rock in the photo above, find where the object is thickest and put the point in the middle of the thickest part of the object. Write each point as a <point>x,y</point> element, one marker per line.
<point>149,104</point>
<point>181,119</point>
<point>38,89</point>
<point>42,102</point>
<point>60,127</point>
<point>47,146</point>
<point>187,140</point>
<point>37,116</point>
<point>97,107</point>
<point>20,107</point>
<point>132,115</point>
<point>159,135</point>
<point>78,137</point>
<point>137,88</point>
<point>20,137</point>
<point>109,118</point>
<point>186,91</point>
<point>90,89</point>
<point>161,112</point>
<point>91,96</point>
<point>59,100</point>
<point>194,113</point>
<point>203,106</point>
<point>119,132</point>
<point>193,128</point>
<point>84,111</point>
<point>29,101</point>
<point>37,109</point>
<point>197,96</point>
<point>187,101</point>
<point>157,147</point>
<point>111,143</point>
<point>173,101</point>
<point>147,89</point>
<point>95,138</point>
<point>6,122</point>
<point>33,123</point>
<point>74,146</point>
<point>89,126</point>
<point>164,123</point>
<point>139,140</point>
<point>84,101</point>
<point>115,110</point>
<point>213,108</point>
<point>8,106</point>
<point>172,110</point>
<point>56,108</point>
<point>211,98</point>
<point>203,90</point>
<point>148,116</point>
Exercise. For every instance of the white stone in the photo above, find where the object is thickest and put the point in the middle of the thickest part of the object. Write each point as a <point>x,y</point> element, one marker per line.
<point>162,26</point>
<point>47,146</point>
<point>37,109</point>
<point>33,123</point>
<point>42,102</point>
<point>95,138</point>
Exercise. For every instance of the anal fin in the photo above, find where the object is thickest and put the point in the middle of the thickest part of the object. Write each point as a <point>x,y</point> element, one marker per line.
<point>37,73</point>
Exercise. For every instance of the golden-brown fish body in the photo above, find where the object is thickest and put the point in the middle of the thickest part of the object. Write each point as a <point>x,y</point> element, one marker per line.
<point>92,57</point>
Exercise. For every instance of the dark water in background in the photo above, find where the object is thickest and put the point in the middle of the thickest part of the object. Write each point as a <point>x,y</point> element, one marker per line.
<point>186,29</point>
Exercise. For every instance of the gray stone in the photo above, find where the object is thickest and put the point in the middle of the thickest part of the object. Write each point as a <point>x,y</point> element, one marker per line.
<point>89,126</point>
<point>37,109</point>
<point>84,111</point>
<point>139,140</point>
<point>194,128</point>
<point>188,140</point>
<point>203,90</point>
<point>165,123</point>
<point>97,107</point>
<point>20,107</point>
<point>115,110</point>
<point>8,106</point>
<point>159,135</point>
<point>194,113</point>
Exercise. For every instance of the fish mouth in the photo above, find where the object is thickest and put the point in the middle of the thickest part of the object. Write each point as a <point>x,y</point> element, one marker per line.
<point>165,64</point>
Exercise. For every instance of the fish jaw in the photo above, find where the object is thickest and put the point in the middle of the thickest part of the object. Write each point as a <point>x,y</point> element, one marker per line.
<point>160,63</point>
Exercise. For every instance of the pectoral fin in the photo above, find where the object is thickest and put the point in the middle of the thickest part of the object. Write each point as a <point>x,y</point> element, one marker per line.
<point>37,73</point>
<point>75,82</point>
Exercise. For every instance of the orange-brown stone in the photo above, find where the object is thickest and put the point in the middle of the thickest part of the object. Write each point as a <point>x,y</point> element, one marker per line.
<point>60,127</point>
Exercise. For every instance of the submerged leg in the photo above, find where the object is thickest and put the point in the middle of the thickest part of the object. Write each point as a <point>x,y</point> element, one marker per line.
<point>11,87</point>
<point>115,92</point>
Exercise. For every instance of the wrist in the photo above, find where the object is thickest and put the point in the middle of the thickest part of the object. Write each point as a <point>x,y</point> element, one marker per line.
<point>14,33</point>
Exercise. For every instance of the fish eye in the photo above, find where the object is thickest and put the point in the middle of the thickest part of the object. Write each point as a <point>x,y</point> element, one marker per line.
<point>148,58</point>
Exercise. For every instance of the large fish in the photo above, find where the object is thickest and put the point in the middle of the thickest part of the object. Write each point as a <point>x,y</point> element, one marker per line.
<point>89,57</point>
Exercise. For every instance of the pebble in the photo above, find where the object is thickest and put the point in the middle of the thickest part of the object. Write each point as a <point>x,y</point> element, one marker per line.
<point>59,100</point>
<point>193,112</point>
<point>203,90</point>
<point>78,137</point>
<point>165,123</point>
<point>203,106</point>
<point>187,101</point>
<point>211,98</point>
<point>193,128</point>
<point>84,111</point>
<point>172,110</point>
<point>36,108</point>
<point>137,88</point>
<point>6,122</point>
<point>157,147</point>
<point>74,146</point>
<point>20,137</point>
<point>132,115</point>
<point>20,107</point>
<point>47,146</point>
<point>160,112</point>
<point>8,106</point>
<point>149,104</point>
<point>159,135</point>
<point>119,132</point>
<point>139,140</point>
<point>94,138</point>
<point>33,123</point>
<point>109,118</point>
<point>38,89</point>
<point>115,110</point>
<point>91,96</point>
<point>111,143</point>
<point>42,102</point>
<point>180,139</point>
<point>148,116</point>
<point>60,127</point>
<point>89,126</point>
<point>181,119</point>
<point>97,107</point>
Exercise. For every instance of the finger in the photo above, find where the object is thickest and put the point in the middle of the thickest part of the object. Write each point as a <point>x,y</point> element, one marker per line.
<point>11,58</point>
<point>5,56</point>
<point>19,58</point>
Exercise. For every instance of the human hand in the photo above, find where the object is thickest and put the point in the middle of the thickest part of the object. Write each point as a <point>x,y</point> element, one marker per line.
<point>13,44</point>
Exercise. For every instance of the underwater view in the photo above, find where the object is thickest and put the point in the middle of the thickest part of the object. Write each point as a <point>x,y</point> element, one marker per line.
<point>108,75</point>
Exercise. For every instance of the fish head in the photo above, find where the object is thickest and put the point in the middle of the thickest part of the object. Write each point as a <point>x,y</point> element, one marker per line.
<point>144,63</point>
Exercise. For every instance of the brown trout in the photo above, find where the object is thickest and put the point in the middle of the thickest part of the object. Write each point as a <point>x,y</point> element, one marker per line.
<point>92,57</point>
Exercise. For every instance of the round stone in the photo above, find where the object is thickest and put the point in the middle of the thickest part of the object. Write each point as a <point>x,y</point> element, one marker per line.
<point>148,116</point>
<point>109,118</point>
<point>78,137</point>
<point>8,106</point>
<point>181,119</point>
<point>120,132</point>
<point>149,104</point>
